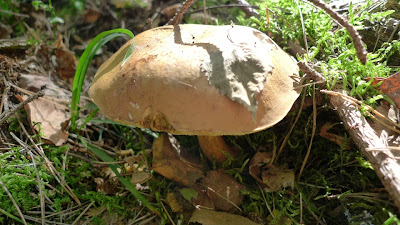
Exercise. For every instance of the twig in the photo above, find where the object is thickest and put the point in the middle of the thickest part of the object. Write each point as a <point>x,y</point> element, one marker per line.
<point>5,95</point>
<point>83,212</point>
<point>249,10</point>
<point>178,16</point>
<point>311,73</point>
<point>166,211</point>
<point>13,201</point>
<point>365,137</point>
<point>312,134</point>
<point>358,44</point>
<point>4,116</point>
<point>379,118</point>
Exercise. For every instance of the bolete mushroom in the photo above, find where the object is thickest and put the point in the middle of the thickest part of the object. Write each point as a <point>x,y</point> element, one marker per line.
<point>199,80</point>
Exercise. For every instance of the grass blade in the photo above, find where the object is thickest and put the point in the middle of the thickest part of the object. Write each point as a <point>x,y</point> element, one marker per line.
<point>84,63</point>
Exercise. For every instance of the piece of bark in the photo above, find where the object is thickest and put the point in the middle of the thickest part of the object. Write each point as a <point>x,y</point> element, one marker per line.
<point>365,137</point>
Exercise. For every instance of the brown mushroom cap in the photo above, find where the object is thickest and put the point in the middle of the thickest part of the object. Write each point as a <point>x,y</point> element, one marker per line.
<point>198,80</point>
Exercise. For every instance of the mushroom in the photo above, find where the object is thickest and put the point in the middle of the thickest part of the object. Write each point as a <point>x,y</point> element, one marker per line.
<point>199,80</point>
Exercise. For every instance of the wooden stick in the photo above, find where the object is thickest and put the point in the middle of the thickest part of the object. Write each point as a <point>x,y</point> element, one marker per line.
<point>366,138</point>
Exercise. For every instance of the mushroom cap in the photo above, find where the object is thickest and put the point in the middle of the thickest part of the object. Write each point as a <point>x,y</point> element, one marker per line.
<point>198,80</point>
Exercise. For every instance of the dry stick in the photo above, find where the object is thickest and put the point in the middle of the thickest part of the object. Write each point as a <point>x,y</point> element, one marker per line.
<point>6,115</point>
<point>381,118</point>
<point>249,11</point>
<point>358,44</point>
<point>178,16</point>
<point>265,201</point>
<point>83,212</point>
<point>365,137</point>
<point>5,95</point>
<point>166,211</point>
<point>13,201</point>
<point>312,134</point>
<point>311,73</point>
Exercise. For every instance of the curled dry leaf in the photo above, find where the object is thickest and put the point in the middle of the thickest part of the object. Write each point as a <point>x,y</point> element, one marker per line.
<point>66,60</point>
<point>169,163</point>
<point>270,177</point>
<point>339,140</point>
<point>51,115</point>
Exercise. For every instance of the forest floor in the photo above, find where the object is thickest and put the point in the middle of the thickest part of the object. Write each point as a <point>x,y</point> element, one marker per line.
<point>53,174</point>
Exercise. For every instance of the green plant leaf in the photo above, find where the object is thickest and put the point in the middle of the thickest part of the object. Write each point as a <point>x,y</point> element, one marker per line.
<point>84,63</point>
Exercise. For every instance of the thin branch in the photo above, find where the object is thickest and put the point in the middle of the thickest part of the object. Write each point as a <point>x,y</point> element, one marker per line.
<point>311,73</point>
<point>178,16</point>
<point>4,116</point>
<point>249,10</point>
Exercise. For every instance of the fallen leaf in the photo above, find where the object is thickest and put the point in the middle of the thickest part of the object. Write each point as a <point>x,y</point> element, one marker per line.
<point>211,217</point>
<point>277,177</point>
<point>48,113</point>
<point>203,199</point>
<point>270,177</point>
<point>140,177</point>
<point>390,86</point>
<point>169,163</point>
<point>223,190</point>
<point>91,15</point>
<point>66,60</point>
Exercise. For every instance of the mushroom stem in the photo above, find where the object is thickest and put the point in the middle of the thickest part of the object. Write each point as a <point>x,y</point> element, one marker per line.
<point>214,147</point>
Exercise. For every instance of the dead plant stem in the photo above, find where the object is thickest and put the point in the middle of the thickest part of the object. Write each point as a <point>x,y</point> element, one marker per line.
<point>312,134</point>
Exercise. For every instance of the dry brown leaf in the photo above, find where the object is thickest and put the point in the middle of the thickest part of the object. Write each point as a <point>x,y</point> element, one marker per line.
<point>140,177</point>
<point>168,163</point>
<point>49,115</point>
<point>223,190</point>
<point>211,217</point>
<point>66,60</point>
<point>390,86</point>
<point>91,15</point>
<point>270,177</point>
<point>202,199</point>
